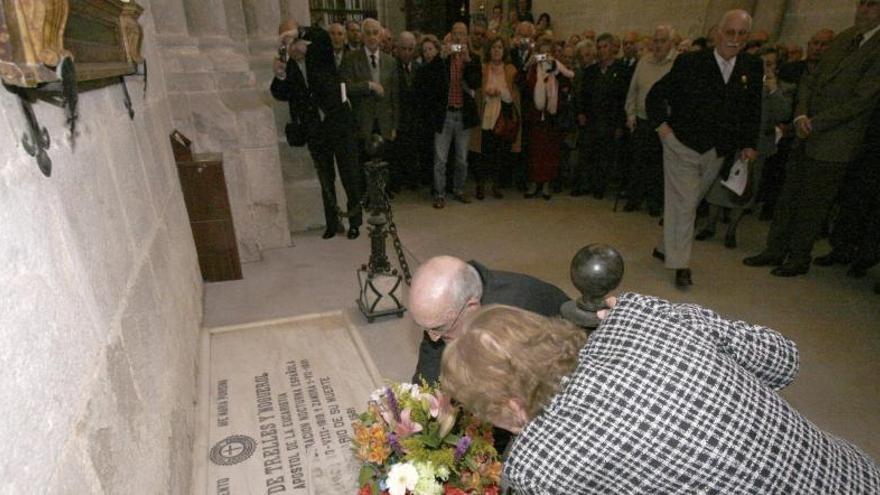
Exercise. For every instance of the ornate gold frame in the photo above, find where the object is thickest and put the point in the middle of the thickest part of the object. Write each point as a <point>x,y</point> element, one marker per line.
<point>102,36</point>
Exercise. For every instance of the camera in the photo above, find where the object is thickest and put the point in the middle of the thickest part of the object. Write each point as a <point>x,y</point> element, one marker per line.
<point>541,57</point>
<point>282,53</point>
<point>456,48</point>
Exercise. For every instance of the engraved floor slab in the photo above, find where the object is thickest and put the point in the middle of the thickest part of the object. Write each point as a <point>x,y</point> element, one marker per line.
<point>281,396</point>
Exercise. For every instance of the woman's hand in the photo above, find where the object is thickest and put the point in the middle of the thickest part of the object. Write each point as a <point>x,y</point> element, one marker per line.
<point>610,301</point>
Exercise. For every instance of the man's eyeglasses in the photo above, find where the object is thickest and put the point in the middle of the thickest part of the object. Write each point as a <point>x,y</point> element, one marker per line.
<point>438,331</point>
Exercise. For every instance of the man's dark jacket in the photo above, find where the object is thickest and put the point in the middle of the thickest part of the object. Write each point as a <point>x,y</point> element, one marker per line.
<point>702,110</point>
<point>512,289</point>
<point>602,96</point>
<point>432,83</point>
<point>323,91</point>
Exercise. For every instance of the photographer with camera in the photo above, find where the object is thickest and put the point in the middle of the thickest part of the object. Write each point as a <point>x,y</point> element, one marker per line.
<point>452,109</point>
<point>549,83</point>
<point>321,117</point>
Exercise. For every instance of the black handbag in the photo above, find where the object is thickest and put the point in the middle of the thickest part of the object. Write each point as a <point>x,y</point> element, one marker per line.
<point>296,135</point>
<point>507,125</point>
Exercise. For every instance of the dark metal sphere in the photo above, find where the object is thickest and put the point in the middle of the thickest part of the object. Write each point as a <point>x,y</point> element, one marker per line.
<point>375,146</point>
<point>596,270</point>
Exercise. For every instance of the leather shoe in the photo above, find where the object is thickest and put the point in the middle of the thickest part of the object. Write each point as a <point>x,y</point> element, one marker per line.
<point>329,233</point>
<point>353,233</point>
<point>705,234</point>
<point>790,270</point>
<point>439,203</point>
<point>657,254</point>
<point>461,198</point>
<point>831,258</point>
<point>730,239</point>
<point>858,269</point>
<point>481,195</point>
<point>763,259</point>
<point>683,278</point>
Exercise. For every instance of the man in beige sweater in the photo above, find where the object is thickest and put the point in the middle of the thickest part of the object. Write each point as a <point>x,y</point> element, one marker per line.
<point>646,178</point>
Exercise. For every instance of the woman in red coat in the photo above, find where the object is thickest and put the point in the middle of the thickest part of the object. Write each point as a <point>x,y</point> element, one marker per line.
<point>550,83</point>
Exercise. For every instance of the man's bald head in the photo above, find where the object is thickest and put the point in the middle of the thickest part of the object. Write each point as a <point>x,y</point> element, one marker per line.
<point>459,33</point>
<point>371,34</point>
<point>733,32</point>
<point>441,287</point>
<point>288,27</point>
<point>406,46</point>
<point>337,35</point>
<point>819,43</point>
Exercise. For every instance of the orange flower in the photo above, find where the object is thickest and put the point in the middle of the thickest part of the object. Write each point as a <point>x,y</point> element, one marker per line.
<point>451,490</point>
<point>365,490</point>
<point>492,490</point>
<point>379,450</point>
<point>491,471</point>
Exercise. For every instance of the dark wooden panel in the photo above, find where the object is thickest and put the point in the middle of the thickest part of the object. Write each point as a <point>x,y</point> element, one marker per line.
<point>204,190</point>
<point>215,245</point>
<point>210,215</point>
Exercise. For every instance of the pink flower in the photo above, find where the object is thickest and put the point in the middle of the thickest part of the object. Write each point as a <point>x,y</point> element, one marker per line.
<point>406,426</point>
<point>443,410</point>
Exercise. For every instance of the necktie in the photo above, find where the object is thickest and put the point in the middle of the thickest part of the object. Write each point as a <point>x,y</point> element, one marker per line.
<point>373,60</point>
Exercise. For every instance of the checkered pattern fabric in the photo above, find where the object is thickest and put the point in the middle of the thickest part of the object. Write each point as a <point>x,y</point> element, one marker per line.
<point>456,73</point>
<point>672,398</point>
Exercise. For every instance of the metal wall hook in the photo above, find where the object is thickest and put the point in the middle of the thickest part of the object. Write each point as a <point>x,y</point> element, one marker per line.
<point>36,140</point>
<point>126,98</point>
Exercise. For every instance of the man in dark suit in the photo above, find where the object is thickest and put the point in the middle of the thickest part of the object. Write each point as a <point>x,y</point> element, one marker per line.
<point>308,81</point>
<point>706,110</point>
<point>337,39</point>
<point>370,77</point>
<point>445,290</point>
<point>833,110</point>
<point>792,72</point>
<point>603,118</point>
<point>405,165</point>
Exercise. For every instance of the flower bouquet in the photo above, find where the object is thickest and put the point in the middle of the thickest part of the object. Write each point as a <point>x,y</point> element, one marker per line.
<point>413,440</point>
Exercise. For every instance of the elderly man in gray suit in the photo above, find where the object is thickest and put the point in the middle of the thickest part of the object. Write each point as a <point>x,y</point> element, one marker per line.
<point>833,110</point>
<point>371,78</point>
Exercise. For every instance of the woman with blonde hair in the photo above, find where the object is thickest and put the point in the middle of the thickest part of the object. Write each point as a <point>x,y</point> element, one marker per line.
<point>661,398</point>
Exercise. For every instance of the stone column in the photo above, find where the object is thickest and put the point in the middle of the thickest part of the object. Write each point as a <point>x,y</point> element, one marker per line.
<point>716,8</point>
<point>769,15</point>
<point>216,100</point>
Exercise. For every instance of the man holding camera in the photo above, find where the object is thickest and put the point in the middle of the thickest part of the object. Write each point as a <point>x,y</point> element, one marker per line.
<point>452,110</point>
<point>321,117</point>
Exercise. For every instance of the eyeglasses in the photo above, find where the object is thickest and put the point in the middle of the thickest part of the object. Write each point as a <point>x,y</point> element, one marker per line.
<point>438,331</point>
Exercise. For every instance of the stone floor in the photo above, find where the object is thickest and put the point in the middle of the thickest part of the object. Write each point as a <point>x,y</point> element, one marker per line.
<point>835,320</point>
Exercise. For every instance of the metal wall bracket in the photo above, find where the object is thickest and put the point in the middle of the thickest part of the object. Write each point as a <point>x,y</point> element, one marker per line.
<point>126,98</point>
<point>63,92</point>
<point>36,139</point>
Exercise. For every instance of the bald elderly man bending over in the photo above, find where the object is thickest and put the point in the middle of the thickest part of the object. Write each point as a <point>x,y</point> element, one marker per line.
<point>446,289</point>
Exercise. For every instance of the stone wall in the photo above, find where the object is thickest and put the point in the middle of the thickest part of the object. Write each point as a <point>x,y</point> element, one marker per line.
<point>100,300</point>
<point>693,17</point>
<point>217,101</point>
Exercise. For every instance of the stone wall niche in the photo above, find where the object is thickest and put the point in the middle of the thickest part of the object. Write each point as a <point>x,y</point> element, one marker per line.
<point>218,103</point>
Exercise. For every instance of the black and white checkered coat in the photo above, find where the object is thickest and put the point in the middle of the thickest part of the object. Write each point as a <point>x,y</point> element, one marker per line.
<point>672,398</point>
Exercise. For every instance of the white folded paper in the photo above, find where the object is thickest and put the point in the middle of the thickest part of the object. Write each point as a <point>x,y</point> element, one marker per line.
<point>738,177</point>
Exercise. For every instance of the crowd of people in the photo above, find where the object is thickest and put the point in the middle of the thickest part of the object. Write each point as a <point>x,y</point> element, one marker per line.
<point>660,120</point>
